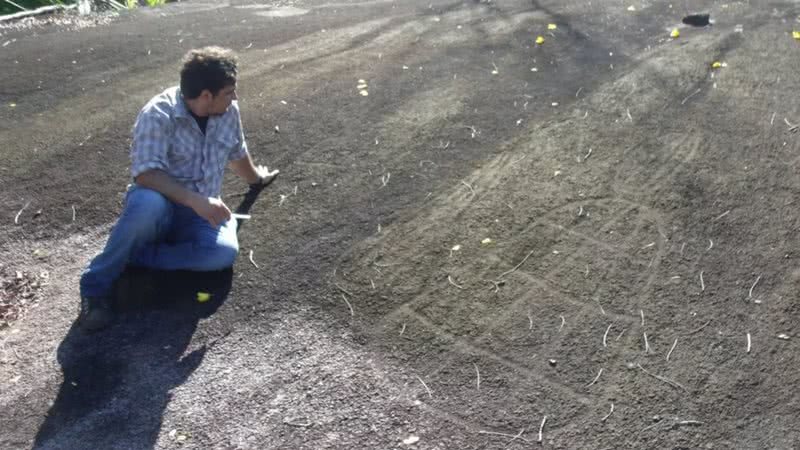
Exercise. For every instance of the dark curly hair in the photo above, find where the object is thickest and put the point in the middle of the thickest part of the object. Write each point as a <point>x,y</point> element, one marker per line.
<point>211,68</point>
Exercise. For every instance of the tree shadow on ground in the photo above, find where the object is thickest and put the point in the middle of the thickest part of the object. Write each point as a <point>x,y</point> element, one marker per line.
<point>118,382</point>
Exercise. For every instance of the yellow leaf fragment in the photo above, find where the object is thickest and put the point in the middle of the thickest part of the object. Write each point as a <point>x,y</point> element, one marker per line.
<point>486,241</point>
<point>551,26</point>
<point>203,297</point>
<point>796,35</point>
<point>363,92</point>
<point>539,40</point>
<point>675,33</point>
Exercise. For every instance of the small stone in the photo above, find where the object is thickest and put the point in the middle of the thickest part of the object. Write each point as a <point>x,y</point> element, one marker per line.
<point>552,362</point>
<point>411,440</point>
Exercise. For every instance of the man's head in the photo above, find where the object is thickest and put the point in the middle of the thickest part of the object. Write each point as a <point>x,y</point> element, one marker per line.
<point>208,80</point>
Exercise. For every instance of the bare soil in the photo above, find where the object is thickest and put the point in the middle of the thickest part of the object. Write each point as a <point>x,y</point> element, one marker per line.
<point>599,231</point>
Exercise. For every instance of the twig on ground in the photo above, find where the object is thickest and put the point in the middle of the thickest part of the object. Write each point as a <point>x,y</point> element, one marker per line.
<point>660,378</point>
<point>605,335</point>
<point>722,215</point>
<point>671,349</point>
<point>469,186</point>
<point>646,344</point>
<point>579,91</point>
<point>609,414</point>
<point>629,114</point>
<point>588,154</point>
<point>297,424</point>
<point>16,218</point>
<point>385,179</point>
<point>710,245</point>
<point>372,283</point>
<point>343,290</point>
<point>641,313</point>
<point>602,311</point>
<point>596,378</point>
<point>425,386</point>
<point>530,321</point>
<point>496,285</point>
<point>403,330</point>
<point>772,120</point>
<point>750,295</point>
<point>74,213</point>
<point>701,327</point>
<point>702,283</point>
<point>252,261</point>
<point>513,437</point>
<point>474,131</point>
<point>450,280</point>
<point>478,374</point>
<point>792,127</point>
<point>748,342</point>
<point>563,321</point>
<point>541,429</point>
<point>620,334</point>
<point>348,305</point>
<point>683,246</point>
<point>517,266</point>
<point>690,96</point>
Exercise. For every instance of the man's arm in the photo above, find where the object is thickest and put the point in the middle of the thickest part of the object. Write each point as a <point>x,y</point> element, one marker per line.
<point>251,173</point>
<point>211,209</point>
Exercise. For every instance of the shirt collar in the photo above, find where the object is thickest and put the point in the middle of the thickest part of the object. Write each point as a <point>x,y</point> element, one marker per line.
<point>181,110</point>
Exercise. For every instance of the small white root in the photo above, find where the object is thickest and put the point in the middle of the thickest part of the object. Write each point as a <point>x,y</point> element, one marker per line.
<point>605,335</point>
<point>748,342</point>
<point>702,283</point>
<point>646,344</point>
<point>425,386</point>
<point>450,280</point>
<point>690,96</point>
<point>403,330</point>
<point>750,295</point>
<point>348,305</point>
<point>469,186</point>
<point>252,261</point>
<point>609,414</point>
<point>74,213</point>
<point>671,349</point>
<point>563,321</point>
<point>641,313</point>
<point>588,154</point>
<point>629,114</point>
<point>478,374</point>
<point>16,218</point>
<point>722,215</point>
<point>665,380</point>
<point>596,378</point>
<point>710,245</point>
<point>541,429</point>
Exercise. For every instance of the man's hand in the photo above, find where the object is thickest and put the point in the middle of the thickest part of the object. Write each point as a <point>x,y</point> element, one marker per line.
<point>265,176</point>
<point>213,210</point>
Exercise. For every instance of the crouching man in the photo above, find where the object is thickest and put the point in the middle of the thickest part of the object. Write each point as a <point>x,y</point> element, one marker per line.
<point>173,217</point>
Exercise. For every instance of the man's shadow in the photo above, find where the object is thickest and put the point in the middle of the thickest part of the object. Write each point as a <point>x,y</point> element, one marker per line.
<point>117,382</point>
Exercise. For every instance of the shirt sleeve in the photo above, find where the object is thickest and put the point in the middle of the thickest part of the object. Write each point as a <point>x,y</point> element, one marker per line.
<point>151,140</point>
<point>240,151</point>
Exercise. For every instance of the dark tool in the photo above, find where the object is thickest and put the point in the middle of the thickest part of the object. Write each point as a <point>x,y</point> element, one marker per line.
<point>698,20</point>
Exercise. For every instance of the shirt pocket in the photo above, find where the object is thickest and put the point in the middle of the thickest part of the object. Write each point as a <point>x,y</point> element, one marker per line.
<point>185,155</point>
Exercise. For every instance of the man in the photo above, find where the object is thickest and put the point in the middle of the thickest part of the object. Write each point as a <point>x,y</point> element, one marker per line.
<point>173,217</point>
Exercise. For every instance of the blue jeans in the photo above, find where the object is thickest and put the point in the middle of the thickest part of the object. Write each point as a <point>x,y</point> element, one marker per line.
<point>154,232</point>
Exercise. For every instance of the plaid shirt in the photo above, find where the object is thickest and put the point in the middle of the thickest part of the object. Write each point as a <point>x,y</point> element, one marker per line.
<point>166,137</point>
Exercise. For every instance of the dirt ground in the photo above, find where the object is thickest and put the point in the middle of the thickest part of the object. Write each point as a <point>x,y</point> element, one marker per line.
<point>585,244</point>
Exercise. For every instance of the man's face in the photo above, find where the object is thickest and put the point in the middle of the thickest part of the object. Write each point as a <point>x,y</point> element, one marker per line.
<point>222,101</point>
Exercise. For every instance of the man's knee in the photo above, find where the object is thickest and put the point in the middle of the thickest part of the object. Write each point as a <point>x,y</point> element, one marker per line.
<point>147,202</point>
